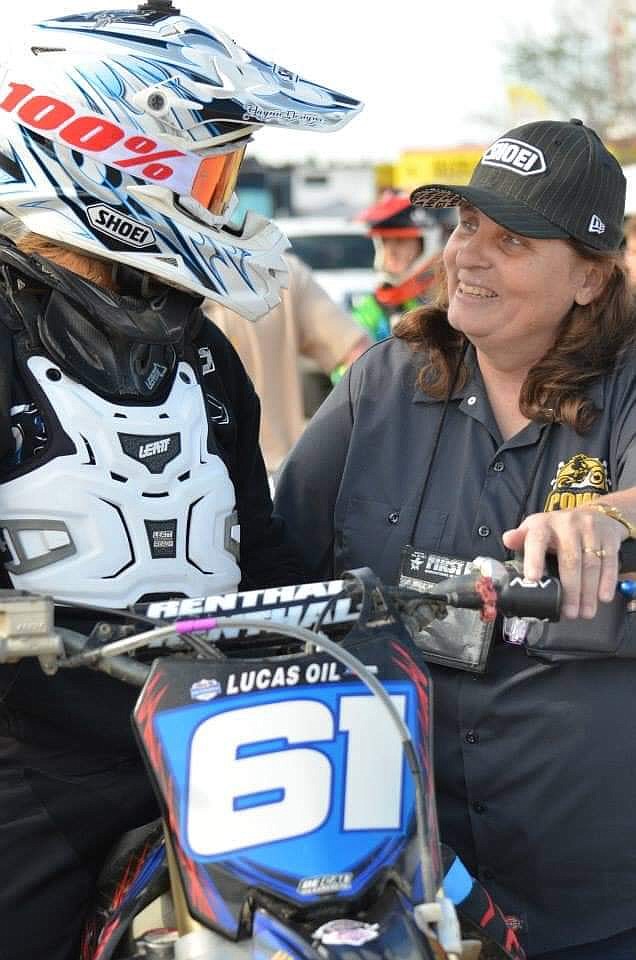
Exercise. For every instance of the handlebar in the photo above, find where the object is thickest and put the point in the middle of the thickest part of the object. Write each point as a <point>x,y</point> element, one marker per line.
<point>291,612</point>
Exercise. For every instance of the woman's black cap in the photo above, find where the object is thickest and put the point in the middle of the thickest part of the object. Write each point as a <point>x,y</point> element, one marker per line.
<point>549,179</point>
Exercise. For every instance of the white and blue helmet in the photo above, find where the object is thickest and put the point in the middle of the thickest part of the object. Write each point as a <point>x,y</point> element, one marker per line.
<point>122,133</point>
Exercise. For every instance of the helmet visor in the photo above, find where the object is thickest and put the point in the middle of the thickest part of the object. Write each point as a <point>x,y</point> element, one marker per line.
<point>215,180</point>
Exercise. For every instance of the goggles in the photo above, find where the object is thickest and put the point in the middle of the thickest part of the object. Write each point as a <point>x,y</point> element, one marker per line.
<point>215,180</point>
<point>210,180</point>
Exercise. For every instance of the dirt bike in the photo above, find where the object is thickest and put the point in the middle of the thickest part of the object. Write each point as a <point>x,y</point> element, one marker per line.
<point>287,734</point>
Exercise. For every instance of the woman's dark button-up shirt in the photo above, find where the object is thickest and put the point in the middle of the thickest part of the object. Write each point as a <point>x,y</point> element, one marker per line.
<point>535,762</point>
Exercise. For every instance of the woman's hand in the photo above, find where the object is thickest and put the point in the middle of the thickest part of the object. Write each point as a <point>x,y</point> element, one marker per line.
<point>586,544</point>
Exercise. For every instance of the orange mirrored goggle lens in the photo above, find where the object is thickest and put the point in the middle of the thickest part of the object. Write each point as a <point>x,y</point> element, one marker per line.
<point>216,178</point>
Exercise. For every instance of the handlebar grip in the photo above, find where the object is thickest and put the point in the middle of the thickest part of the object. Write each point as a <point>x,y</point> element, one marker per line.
<point>543,600</point>
<point>525,598</point>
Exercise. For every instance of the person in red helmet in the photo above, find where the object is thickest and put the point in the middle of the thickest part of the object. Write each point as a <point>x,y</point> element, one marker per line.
<point>408,241</point>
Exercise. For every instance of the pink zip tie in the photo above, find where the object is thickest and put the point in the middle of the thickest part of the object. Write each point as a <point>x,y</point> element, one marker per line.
<point>192,626</point>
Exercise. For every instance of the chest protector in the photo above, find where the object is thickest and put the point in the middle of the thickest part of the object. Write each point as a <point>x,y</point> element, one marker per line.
<point>140,507</point>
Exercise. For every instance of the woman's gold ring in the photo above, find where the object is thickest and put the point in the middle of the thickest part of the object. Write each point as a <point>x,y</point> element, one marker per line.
<point>597,551</point>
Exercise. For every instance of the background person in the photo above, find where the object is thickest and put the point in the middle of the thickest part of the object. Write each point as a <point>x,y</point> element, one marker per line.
<point>128,427</point>
<point>473,431</point>
<point>306,323</point>
<point>407,241</point>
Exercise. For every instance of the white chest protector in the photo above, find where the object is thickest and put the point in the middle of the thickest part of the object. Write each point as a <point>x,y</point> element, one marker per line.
<point>140,508</point>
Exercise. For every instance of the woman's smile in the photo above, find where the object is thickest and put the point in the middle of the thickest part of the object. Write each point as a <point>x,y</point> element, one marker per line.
<point>475,291</point>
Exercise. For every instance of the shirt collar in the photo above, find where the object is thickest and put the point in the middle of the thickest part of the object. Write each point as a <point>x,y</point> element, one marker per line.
<point>474,384</point>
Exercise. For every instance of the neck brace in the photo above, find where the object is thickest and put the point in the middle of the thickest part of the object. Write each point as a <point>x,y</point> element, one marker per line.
<point>415,287</point>
<point>122,345</point>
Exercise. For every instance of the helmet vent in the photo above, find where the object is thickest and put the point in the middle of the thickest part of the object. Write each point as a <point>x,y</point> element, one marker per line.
<point>36,51</point>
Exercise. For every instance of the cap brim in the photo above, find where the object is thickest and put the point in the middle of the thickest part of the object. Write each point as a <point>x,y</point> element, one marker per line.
<point>511,214</point>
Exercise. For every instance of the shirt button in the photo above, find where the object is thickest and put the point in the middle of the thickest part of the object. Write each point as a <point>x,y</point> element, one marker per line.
<point>471,736</point>
<point>484,531</point>
<point>498,466</point>
<point>479,807</point>
<point>471,401</point>
<point>393,517</point>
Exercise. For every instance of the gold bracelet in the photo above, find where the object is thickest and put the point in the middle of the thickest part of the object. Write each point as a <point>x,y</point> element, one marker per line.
<point>611,511</point>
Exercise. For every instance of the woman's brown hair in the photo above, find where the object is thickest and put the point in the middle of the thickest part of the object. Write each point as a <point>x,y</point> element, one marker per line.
<point>588,344</point>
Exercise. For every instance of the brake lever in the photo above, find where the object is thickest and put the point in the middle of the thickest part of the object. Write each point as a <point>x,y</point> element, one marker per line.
<point>27,629</point>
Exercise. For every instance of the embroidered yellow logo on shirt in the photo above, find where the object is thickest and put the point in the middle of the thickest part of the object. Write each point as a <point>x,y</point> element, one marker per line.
<point>581,479</point>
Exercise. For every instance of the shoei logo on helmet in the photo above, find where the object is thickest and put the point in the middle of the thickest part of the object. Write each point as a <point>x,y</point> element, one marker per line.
<point>515,155</point>
<point>119,226</point>
<point>96,136</point>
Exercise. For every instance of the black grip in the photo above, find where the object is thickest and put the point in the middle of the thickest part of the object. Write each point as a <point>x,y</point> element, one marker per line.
<point>515,598</point>
<point>525,598</point>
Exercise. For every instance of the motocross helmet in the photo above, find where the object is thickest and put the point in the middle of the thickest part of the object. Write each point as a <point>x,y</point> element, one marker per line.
<point>394,216</point>
<point>122,133</point>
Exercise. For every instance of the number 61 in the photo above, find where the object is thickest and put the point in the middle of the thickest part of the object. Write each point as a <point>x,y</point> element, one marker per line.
<point>238,797</point>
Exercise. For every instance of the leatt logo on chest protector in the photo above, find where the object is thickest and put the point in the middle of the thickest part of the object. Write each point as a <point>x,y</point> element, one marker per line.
<point>515,155</point>
<point>153,452</point>
<point>154,447</point>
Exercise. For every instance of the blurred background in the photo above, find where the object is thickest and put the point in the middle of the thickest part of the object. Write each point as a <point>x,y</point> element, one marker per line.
<point>439,80</point>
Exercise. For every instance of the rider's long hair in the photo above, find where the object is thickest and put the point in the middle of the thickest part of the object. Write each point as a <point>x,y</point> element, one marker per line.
<point>588,344</point>
<point>91,268</point>
<point>96,270</point>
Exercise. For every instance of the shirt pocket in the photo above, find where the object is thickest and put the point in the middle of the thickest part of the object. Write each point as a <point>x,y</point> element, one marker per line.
<point>371,533</point>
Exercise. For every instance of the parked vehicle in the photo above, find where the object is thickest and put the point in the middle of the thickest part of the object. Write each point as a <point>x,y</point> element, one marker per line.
<point>338,251</point>
<point>341,255</point>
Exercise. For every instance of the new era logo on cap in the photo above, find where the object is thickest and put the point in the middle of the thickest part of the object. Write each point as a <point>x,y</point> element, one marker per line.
<point>596,225</point>
<point>515,155</point>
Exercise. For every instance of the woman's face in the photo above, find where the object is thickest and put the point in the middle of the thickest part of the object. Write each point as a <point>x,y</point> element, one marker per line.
<point>510,292</point>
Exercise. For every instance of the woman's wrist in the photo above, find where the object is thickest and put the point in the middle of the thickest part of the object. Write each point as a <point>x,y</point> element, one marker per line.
<point>615,513</point>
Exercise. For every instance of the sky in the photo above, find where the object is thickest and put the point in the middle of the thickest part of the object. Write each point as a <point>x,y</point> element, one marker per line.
<point>429,72</point>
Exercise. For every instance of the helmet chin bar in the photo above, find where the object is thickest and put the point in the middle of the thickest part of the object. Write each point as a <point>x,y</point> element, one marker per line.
<point>250,270</point>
